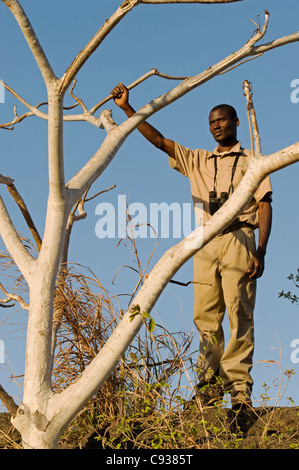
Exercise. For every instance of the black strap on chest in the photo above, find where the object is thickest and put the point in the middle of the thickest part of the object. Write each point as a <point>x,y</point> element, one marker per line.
<point>231,188</point>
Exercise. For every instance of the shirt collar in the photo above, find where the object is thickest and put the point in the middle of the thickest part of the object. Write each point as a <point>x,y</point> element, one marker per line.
<point>235,150</point>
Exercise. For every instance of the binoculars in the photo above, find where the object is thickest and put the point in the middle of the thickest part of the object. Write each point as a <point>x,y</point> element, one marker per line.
<point>216,202</point>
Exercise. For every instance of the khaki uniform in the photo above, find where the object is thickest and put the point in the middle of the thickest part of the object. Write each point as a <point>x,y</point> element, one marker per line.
<point>221,280</point>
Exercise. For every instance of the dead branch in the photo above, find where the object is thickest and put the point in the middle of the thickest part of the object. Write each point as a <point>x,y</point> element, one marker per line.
<point>32,40</point>
<point>15,297</point>
<point>26,214</point>
<point>8,401</point>
<point>79,101</point>
<point>3,303</point>
<point>137,82</point>
<point>94,43</point>
<point>33,110</point>
<point>254,132</point>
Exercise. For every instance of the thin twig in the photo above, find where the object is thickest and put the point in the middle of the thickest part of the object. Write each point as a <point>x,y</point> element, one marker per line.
<point>254,132</point>
<point>15,297</point>
<point>79,101</point>
<point>137,82</point>
<point>100,192</point>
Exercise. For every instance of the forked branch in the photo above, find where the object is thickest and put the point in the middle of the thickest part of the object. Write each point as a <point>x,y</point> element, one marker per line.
<point>10,296</point>
<point>108,26</point>
<point>94,43</point>
<point>33,110</point>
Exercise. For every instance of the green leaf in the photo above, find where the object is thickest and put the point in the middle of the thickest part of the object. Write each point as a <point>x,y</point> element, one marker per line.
<point>146,315</point>
<point>214,339</point>
<point>151,325</point>
<point>133,357</point>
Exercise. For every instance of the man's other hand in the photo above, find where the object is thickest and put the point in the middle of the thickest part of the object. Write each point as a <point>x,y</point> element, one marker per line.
<point>257,264</point>
<point>120,95</point>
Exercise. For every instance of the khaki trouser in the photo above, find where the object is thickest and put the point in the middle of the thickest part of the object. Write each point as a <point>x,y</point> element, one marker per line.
<point>221,281</point>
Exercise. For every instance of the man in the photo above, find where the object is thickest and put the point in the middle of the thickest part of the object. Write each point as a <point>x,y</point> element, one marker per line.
<point>225,271</point>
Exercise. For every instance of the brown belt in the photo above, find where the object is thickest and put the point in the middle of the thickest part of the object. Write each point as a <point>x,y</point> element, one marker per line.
<point>236,226</point>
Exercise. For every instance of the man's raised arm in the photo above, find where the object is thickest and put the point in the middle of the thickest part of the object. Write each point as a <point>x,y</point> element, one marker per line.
<point>121,98</point>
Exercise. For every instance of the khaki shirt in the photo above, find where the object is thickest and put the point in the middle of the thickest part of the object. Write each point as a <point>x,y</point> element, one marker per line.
<point>198,166</point>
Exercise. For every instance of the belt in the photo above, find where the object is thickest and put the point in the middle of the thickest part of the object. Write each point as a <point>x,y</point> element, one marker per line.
<point>236,226</point>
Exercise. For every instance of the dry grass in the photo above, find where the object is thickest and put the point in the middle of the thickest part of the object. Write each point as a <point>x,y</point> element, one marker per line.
<point>145,388</point>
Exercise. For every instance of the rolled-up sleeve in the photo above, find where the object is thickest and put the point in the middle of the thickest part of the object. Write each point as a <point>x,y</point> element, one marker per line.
<point>182,160</point>
<point>264,189</point>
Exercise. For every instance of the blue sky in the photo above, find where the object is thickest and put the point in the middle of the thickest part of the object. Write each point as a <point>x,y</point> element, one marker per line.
<point>177,40</point>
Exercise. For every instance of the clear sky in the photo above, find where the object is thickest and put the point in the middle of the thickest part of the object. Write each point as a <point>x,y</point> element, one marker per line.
<point>179,40</point>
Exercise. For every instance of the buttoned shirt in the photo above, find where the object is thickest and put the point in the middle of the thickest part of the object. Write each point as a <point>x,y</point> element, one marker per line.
<point>199,166</point>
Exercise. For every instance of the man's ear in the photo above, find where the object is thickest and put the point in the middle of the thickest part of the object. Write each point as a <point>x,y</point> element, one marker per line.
<point>237,122</point>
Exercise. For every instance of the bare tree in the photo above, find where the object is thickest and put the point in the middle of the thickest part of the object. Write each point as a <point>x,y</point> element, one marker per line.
<point>43,415</point>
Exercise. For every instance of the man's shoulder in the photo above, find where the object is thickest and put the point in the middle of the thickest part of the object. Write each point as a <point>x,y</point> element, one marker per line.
<point>246,152</point>
<point>195,151</point>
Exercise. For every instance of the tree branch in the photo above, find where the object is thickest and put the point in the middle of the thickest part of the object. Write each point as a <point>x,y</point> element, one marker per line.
<point>17,298</point>
<point>26,214</point>
<point>33,110</point>
<point>253,127</point>
<point>137,82</point>
<point>11,239</point>
<point>8,401</point>
<point>275,43</point>
<point>31,38</point>
<point>88,115</point>
<point>94,43</point>
<point>55,148</point>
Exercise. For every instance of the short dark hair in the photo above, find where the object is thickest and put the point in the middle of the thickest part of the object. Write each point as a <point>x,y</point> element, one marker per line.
<point>228,107</point>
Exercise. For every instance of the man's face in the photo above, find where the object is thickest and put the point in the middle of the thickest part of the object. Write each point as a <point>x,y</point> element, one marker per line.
<point>223,127</point>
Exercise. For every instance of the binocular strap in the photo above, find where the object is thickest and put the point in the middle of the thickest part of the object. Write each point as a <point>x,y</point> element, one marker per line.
<point>231,188</point>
